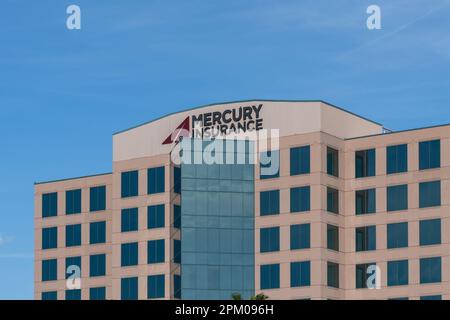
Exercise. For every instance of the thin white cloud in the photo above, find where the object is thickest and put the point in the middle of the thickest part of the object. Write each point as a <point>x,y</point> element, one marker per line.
<point>18,255</point>
<point>5,240</point>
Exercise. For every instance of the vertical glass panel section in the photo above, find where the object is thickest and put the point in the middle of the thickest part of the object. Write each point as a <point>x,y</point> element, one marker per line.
<point>429,194</point>
<point>365,163</point>
<point>430,232</point>
<point>430,270</point>
<point>73,201</point>
<point>397,198</point>
<point>397,159</point>
<point>332,200</point>
<point>332,162</point>
<point>49,205</point>
<point>397,273</point>
<point>333,274</point>
<point>365,201</point>
<point>397,235</point>
<point>97,198</point>
<point>301,199</point>
<point>365,238</point>
<point>300,160</point>
<point>130,184</point>
<point>362,275</point>
<point>332,237</point>
<point>429,154</point>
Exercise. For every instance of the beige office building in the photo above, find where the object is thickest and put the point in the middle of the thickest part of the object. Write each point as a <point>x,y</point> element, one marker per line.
<point>351,211</point>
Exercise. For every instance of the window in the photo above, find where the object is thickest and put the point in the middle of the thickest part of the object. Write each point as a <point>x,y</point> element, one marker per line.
<point>333,275</point>
<point>397,235</point>
<point>155,251</point>
<point>98,293</point>
<point>155,286</point>
<point>397,273</point>
<point>176,251</point>
<point>269,239</point>
<point>332,162</point>
<point>332,237</point>
<point>300,274</point>
<point>430,232</point>
<point>97,198</point>
<point>130,182</point>
<point>129,254</point>
<point>397,198</point>
<point>301,199</point>
<point>129,288</point>
<point>97,265</point>
<point>177,216</point>
<point>397,159</point>
<point>177,180</point>
<point>97,232</point>
<point>365,238</point>
<point>332,200</point>
<point>73,201</point>
<point>365,163</point>
<point>429,194</point>
<point>270,202</point>
<point>429,154</point>
<point>300,236</point>
<point>362,275</point>
<point>73,265</point>
<point>365,201</point>
<point>177,286</point>
<point>49,270</point>
<point>430,270</point>
<point>269,164</point>
<point>435,297</point>
<point>49,205</point>
<point>270,276</point>
<point>155,180</point>
<point>49,295</point>
<point>49,238</point>
<point>300,160</point>
<point>155,216</point>
<point>73,235</point>
<point>73,294</point>
<point>129,219</point>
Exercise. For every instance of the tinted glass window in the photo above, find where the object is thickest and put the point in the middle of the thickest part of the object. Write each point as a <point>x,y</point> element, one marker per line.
<point>332,237</point>
<point>430,232</point>
<point>365,201</point>
<point>429,154</point>
<point>97,198</point>
<point>49,205</point>
<point>129,219</point>
<point>155,251</point>
<point>300,160</point>
<point>300,199</point>
<point>73,201</point>
<point>97,232</point>
<point>430,270</point>
<point>397,273</point>
<point>429,194</point>
<point>363,273</point>
<point>155,286</point>
<point>129,288</point>
<point>300,236</point>
<point>333,275</point>
<point>98,293</point>
<point>397,235</point>
<point>397,159</point>
<point>269,164</point>
<point>332,200</point>
<point>270,202</point>
<point>130,184</point>
<point>97,265</point>
<point>73,235</point>
<point>155,216</point>
<point>49,238</point>
<point>155,180</point>
<point>129,254</point>
<point>332,162</point>
<point>365,163</point>
<point>270,276</point>
<point>49,270</point>
<point>270,239</point>
<point>365,238</point>
<point>300,274</point>
<point>397,198</point>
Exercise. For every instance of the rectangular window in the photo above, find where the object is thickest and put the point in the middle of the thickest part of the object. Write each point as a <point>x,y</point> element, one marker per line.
<point>49,238</point>
<point>332,237</point>
<point>129,219</point>
<point>129,288</point>
<point>397,273</point>
<point>429,194</point>
<point>270,276</point>
<point>72,263</point>
<point>430,270</point>
<point>397,159</point>
<point>73,294</point>
<point>397,235</point>
<point>155,286</point>
<point>177,216</point>
<point>177,180</point>
<point>155,251</point>
<point>270,202</point>
<point>177,251</point>
<point>97,199</point>
<point>332,200</point>
<point>97,265</point>
<point>300,160</point>
<point>362,275</point>
<point>97,232</point>
<point>397,198</point>
<point>365,163</point>
<point>301,199</point>
<point>129,254</point>
<point>98,293</point>
<point>49,270</point>
<point>73,201</point>
<point>269,239</point>
<point>155,180</point>
<point>49,295</point>
<point>332,162</point>
<point>50,205</point>
<point>333,275</point>
<point>269,164</point>
<point>366,239</point>
<point>429,154</point>
<point>435,297</point>
<point>365,201</point>
<point>73,235</point>
<point>430,232</point>
<point>300,236</point>
<point>130,184</point>
<point>177,286</point>
<point>300,274</point>
<point>155,216</point>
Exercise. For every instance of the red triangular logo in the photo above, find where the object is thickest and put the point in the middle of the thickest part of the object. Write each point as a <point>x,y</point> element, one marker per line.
<point>181,131</point>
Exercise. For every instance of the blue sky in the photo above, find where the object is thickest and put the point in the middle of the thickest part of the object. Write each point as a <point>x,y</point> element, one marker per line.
<point>63,93</point>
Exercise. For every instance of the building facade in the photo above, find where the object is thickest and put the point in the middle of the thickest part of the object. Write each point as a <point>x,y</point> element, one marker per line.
<point>352,211</point>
